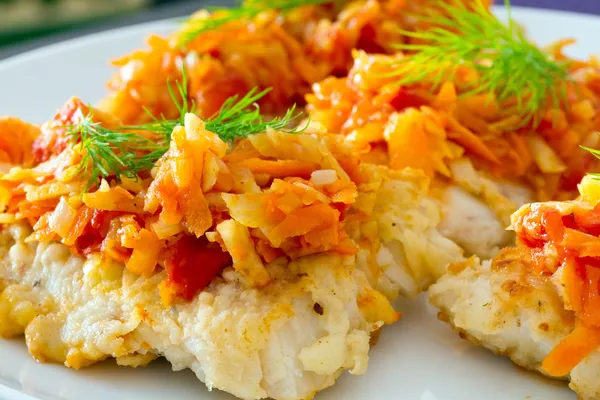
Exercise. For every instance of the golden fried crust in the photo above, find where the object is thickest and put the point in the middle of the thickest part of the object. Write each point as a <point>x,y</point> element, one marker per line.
<point>505,306</point>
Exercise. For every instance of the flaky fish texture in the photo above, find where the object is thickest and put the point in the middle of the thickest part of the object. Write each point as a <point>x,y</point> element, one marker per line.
<point>502,306</point>
<point>288,340</point>
<point>537,302</point>
<point>411,253</point>
<point>264,265</point>
<point>476,226</point>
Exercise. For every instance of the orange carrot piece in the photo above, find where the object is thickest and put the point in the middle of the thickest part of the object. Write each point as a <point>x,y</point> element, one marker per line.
<point>519,144</point>
<point>446,96</point>
<point>555,229</point>
<point>82,218</point>
<point>574,287</point>
<point>303,220</point>
<point>289,202</point>
<point>326,238</point>
<point>574,239</point>
<point>591,249</point>
<point>145,254</point>
<point>272,212</point>
<point>239,156</point>
<point>346,247</point>
<point>267,252</point>
<point>408,142</point>
<point>591,300</point>
<point>472,142</point>
<point>571,350</point>
<point>279,168</point>
<point>342,191</point>
<point>197,217</point>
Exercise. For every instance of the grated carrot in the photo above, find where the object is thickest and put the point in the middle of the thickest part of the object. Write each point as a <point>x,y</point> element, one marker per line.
<point>576,249</point>
<point>205,205</point>
<point>302,221</point>
<point>519,144</point>
<point>408,141</point>
<point>266,251</point>
<point>571,350</point>
<point>342,192</point>
<point>573,238</point>
<point>446,96</point>
<point>470,141</point>
<point>113,199</point>
<point>289,202</point>
<point>279,168</point>
<point>272,212</point>
<point>36,209</point>
<point>145,253</point>
<point>327,237</point>
<point>196,214</point>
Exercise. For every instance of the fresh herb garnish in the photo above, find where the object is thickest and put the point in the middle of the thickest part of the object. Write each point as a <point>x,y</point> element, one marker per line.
<point>508,64</point>
<point>128,150</point>
<point>163,127</point>
<point>595,153</point>
<point>110,152</point>
<point>246,10</point>
<point>241,118</point>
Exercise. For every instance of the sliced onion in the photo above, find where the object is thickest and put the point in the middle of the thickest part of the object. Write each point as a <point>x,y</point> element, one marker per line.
<point>164,231</point>
<point>545,157</point>
<point>62,218</point>
<point>323,177</point>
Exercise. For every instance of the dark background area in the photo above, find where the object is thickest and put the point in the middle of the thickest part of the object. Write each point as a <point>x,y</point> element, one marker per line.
<point>13,43</point>
<point>584,6</point>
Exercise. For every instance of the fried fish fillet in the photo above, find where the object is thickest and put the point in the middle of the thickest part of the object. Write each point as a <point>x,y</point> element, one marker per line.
<point>537,302</point>
<point>284,318</point>
<point>287,341</point>
<point>482,167</point>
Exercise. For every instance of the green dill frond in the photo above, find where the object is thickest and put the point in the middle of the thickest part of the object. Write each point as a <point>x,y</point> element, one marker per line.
<point>245,11</point>
<point>508,64</point>
<point>129,150</point>
<point>163,127</point>
<point>595,153</point>
<point>241,118</point>
<point>107,152</point>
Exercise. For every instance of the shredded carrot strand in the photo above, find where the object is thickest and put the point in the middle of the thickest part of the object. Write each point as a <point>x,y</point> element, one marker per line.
<point>571,351</point>
<point>279,168</point>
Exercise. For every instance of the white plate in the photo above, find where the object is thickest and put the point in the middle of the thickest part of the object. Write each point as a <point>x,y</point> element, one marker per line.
<point>418,358</point>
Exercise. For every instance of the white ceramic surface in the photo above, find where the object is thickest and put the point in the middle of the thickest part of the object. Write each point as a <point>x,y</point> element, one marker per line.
<point>419,358</point>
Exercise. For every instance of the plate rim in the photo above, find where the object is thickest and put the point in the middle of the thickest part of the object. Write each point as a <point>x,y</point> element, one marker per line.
<point>10,393</point>
<point>90,38</point>
<point>85,40</point>
<point>15,392</point>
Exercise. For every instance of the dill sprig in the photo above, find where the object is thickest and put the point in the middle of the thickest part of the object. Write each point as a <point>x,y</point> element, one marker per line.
<point>245,11</point>
<point>241,118</point>
<point>237,117</point>
<point>595,153</point>
<point>163,127</point>
<point>108,152</point>
<point>129,150</point>
<point>508,64</point>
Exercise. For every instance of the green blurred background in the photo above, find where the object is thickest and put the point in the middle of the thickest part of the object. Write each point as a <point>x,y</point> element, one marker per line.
<point>28,24</point>
<point>26,19</point>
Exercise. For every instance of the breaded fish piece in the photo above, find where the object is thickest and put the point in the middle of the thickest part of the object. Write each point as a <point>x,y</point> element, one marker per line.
<point>480,172</point>
<point>265,265</point>
<point>287,341</point>
<point>535,303</point>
